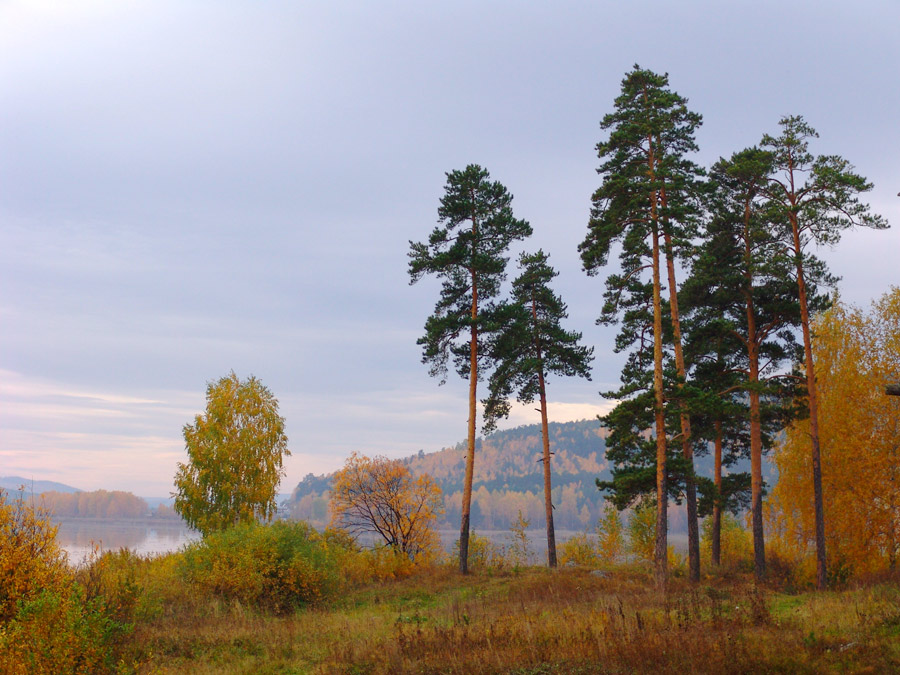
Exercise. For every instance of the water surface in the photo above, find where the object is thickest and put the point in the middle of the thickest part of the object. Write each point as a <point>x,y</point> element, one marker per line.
<point>79,536</point>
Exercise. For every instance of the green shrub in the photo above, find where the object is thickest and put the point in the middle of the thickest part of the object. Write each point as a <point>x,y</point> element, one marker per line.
<point>642,531</point>
<point>278,567</point>
<point>59,631</point>
<point>736,543</point>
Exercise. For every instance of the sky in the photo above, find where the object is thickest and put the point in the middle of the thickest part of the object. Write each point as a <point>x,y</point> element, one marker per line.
<point>190,188</point>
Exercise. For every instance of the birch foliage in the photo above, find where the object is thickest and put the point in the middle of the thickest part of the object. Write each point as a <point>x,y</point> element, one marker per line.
<point>235,454</point>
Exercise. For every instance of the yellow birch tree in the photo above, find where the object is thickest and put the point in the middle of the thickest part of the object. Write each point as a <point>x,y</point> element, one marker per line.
<point>857,355</point>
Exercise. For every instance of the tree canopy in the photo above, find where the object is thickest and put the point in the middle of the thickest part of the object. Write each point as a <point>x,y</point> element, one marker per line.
<point>816,198</point>
<point>380,496</point>
<point>529,344</point>
<point>646,203</point>
<point>235,454</point>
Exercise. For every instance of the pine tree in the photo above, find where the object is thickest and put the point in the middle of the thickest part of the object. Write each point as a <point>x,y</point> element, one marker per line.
<point>816,199</point>
<point>467,251</point>
<point>743,312</point>
<point>530,344</point>
<point>644,202</point>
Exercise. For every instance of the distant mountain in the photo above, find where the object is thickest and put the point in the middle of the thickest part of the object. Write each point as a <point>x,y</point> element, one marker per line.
<point>13,483</point>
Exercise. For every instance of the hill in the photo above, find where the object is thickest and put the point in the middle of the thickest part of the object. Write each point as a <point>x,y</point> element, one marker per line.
<point>508,478</point>
<point>13,483</point>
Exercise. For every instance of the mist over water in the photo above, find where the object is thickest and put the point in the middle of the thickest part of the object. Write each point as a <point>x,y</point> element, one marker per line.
<point>79,536</point>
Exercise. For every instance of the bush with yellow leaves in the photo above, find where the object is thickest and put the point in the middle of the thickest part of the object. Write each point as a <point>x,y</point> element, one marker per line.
<point>30,559</point>
<point>280,567</point>
<point>48,624</point>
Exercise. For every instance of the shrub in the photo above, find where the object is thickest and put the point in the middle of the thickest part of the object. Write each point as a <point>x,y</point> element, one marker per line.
<point>111,578</point>
<point>610,535</point>
<point>642,531</point>
<point>59,631</point>
<point>51,619</point>
<point>483,553</point>
<point>642,537</point>
<point>519,553</point>
<point>280,567</point>
<point>579,550</point>
<point>30,559</point>
<point>736,543</point>
<point>380,496</point>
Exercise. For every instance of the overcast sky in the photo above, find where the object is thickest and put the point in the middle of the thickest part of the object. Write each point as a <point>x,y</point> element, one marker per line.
<point>188,188</point>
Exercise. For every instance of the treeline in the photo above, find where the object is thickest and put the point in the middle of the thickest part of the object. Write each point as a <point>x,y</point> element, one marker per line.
<point>102,504</point>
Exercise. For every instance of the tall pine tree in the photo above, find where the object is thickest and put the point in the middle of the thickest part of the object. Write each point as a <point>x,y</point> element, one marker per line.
<point>816,198</point>
<point>467,250</point>
<point>530,343</point>
<point>644,202</point>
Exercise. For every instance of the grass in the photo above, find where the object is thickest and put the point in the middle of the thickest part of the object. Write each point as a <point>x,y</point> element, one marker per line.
<point>535,621</point>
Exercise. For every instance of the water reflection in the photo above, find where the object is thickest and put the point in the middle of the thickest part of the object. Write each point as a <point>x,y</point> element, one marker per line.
<point>77,536</point>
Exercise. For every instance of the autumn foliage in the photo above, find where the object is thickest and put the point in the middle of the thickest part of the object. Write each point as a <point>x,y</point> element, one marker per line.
<point>857,354</point>
<point>30,558</point>
<point>49,621</point>
<point>235,457</point>
<point>97,504</point>
<point>381,496</point>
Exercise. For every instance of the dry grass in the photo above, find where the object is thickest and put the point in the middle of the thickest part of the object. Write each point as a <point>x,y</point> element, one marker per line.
<point>535,622</point>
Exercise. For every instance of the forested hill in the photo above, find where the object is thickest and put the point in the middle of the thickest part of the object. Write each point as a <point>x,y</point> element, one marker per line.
<point>510,459</point>
<point>508,477</point>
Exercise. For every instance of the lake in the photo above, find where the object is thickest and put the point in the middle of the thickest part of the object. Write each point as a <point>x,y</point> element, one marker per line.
<point>77,536</point>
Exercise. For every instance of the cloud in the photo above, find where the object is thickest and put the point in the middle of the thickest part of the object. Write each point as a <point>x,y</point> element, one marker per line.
<point>557,411</point>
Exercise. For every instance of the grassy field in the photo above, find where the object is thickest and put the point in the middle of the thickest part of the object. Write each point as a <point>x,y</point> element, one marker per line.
<point>537,621</point>
<point>284,598</point>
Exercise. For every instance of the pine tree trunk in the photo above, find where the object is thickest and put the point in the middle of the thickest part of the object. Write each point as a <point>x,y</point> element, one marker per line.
<point>686,447</point>
<point>548,499</point>
<point>661,549</point>
<point>717,505</point>
<point>759,549</point>
<point>821,574</point>
<point>473,411</point>
<point>759,545</point>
